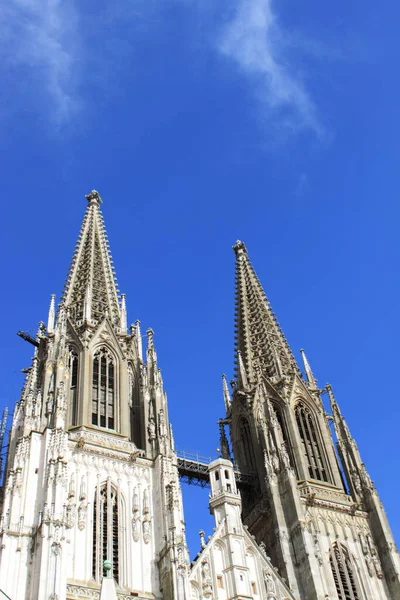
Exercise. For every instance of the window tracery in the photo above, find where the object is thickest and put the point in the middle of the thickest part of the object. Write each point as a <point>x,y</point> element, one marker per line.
<point>343,573</point>
<point>73,385</point>
<point>106,521</point>
<point>311,443</point>
<point>284,432</point>
<point>246,444</point>
<point>103,389</point>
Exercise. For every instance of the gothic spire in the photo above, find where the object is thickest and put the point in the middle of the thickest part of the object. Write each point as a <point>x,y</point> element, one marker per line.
<point>259,339</point>
<point>91,291</point>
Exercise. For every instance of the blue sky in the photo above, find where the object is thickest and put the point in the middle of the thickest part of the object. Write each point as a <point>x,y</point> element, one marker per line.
<point>201,122</point>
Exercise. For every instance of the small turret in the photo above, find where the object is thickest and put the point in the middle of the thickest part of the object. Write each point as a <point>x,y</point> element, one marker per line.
<point>225,502</point>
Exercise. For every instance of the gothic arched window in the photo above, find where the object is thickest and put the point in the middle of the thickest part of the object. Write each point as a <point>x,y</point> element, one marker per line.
<point>246,445</point>
<point>343,573</point>
<point>311,442</point>
<point>106,522</point>
<point>103,389</point>
<point>73,385</point>
<point>285,435</point>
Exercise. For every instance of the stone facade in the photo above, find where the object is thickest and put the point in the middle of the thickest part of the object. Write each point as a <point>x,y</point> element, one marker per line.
<point>92,473</point>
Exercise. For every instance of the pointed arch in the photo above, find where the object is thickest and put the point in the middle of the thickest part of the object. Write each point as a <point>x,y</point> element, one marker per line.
<point>107,526</point>
<point>73,365</point>
<point>343,573</point>
<point>247,450</point>
<point>280,417</point>
<point>104,389</point>
<point>311,441</point>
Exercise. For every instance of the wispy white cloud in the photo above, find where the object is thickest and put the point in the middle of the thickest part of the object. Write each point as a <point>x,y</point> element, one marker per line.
<point>40,37</point>
<point>255,42</point>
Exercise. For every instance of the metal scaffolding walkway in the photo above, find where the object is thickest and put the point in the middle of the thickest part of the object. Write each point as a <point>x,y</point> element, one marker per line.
<point>193,469</point>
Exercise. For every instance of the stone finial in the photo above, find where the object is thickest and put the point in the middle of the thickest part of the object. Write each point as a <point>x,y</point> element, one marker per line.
<point>150,334</point>
<point>52,313</point>
<point>107,567</point>
<point>202,539</point>
<point>239,248</point>
<point>94,196</point>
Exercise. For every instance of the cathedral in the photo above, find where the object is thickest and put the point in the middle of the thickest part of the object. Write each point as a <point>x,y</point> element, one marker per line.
<point>91,504</point>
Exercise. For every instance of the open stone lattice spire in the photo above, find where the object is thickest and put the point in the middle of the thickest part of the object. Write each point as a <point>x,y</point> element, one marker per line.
<point>91,290</point>
<point>259,338</point>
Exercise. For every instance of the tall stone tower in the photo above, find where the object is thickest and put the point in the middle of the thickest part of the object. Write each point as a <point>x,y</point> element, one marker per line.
<point>323,525</point>
<point>92,472</point>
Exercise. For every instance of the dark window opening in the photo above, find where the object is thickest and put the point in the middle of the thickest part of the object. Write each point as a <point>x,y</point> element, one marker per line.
<point>73,385</point>
<point>343,573</point>
<point>105,531</point>
<point>311,443</point>
<point>103,390</point>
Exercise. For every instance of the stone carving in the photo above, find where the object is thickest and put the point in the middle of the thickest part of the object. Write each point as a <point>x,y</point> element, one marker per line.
<point>58,444</point>
<point>146,508</point>
<point>56,548</point>
<point>356,481</point>
<point>82,513</point>
<point>206,579</point>
<point>263,548</point>
<point>146,530</point>
<point>267,463</point>
<point>366,479</point>
<point>78,591</point>
<point>82,510</point>
<point>70,510</point>
<point>151,429</point>
<point>318,554</point>
<point>270,587</point>
<point>274,461</point>
<point>105,440</point>
<point>136,528</point>
<point>285,456</point>
<point>371,556</point>
<point>135,516</point>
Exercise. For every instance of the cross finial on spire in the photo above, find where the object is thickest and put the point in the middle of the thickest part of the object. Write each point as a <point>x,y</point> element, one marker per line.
<point>239,247</point>
<point>94,196</point>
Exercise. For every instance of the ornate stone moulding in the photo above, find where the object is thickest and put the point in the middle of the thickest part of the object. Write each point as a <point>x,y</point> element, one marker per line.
<point>324,492</point>
<point>81,592</point>
<point>98,441</point>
